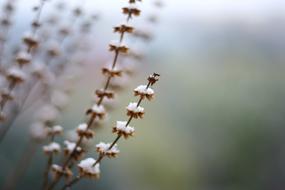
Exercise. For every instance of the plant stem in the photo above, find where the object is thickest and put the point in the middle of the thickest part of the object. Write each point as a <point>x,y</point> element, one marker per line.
<point>48,166</point>
<point>101,156</point>
<point>69,158</point>
<point>72,182</point>
<point>99,102</point>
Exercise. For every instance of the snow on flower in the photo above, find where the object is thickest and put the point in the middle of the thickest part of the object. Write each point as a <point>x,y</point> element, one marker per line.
<point>55,130</point>
<point>15,74</point>
<point>97,111</point>
<point>134,110</point>
<point>143,92</point>
<point>23,58</point>
<point>87,169</point>
<point>59,171</point>
<point>122,129</point>
<point>82,130</point>
<point>53,147</point>
<point>104,148</point>
<point>69,146</point>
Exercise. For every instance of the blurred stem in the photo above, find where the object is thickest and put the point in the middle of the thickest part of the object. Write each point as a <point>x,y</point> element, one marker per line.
<point>69,158</point>
<point>48,166</point>
<point>101,156</point>
<point>92,119</point>
<point>72,182</point>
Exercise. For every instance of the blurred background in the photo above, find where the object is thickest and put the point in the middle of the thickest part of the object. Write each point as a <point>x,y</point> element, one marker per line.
<point>218,119</point>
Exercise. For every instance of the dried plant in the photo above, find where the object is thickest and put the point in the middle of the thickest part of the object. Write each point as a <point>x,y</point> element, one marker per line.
<point>46,65</point>
<point>89,167</point>
<point>15,75</point>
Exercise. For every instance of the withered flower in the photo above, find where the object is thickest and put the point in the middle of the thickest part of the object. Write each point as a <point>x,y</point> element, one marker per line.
<point>123,28</point>
<point>152,79</point>
<point>51,148</point>
<point>23,58</point>
<point>97,111</point>
<point>54,130</point>
<point>69,149</point>
<point>5,22</point>
<point>118,47</point>
<point>144,92</point>
<point>104,148</point>
<point>59,171</point>
<point>131,11</point>
<point>83,131</point>
<point>104,93</point>
<point>6,94</point>
<point>135,111</point>
<point>31,41</point>
<point>112,72</point>
<point>122,129</point>
<point>16,75</point>
<point>86,168</point>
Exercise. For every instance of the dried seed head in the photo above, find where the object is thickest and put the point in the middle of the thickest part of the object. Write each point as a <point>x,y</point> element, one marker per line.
<point>123,28</point>
<point>153,78</point>
<point>64,30</point>
<point>135,111</point>
<point>87,169</point>
<point>5,22</point>
<point>23,58</point>
<point>59,171</point>
<point>53,49</point>
<point>51,148</point>
<point>31,40</point>
<point>77,11</point>
<point>112,72</point>
<point>69,147</point>
<point>118,47</point>
<point>104,93</point>
<point>134,1</point>
<point>97,111</point>
<point>131,11</point>
<point>7,94</point>
<point>122,129</point>
<point>16,75</point>
<point>144,92</point>
<point>55,130</point>
<point>8,8</point>
<point>104,148</point>
<point>83,131</point>
<point>36,24</point>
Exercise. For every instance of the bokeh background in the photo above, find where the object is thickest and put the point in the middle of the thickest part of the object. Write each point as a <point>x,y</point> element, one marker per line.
<point>218,120</point>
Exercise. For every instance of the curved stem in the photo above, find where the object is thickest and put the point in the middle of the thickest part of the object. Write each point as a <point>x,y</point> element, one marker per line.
<point>101,156</point>
<point>72,182</point>
<point>48,166</point>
